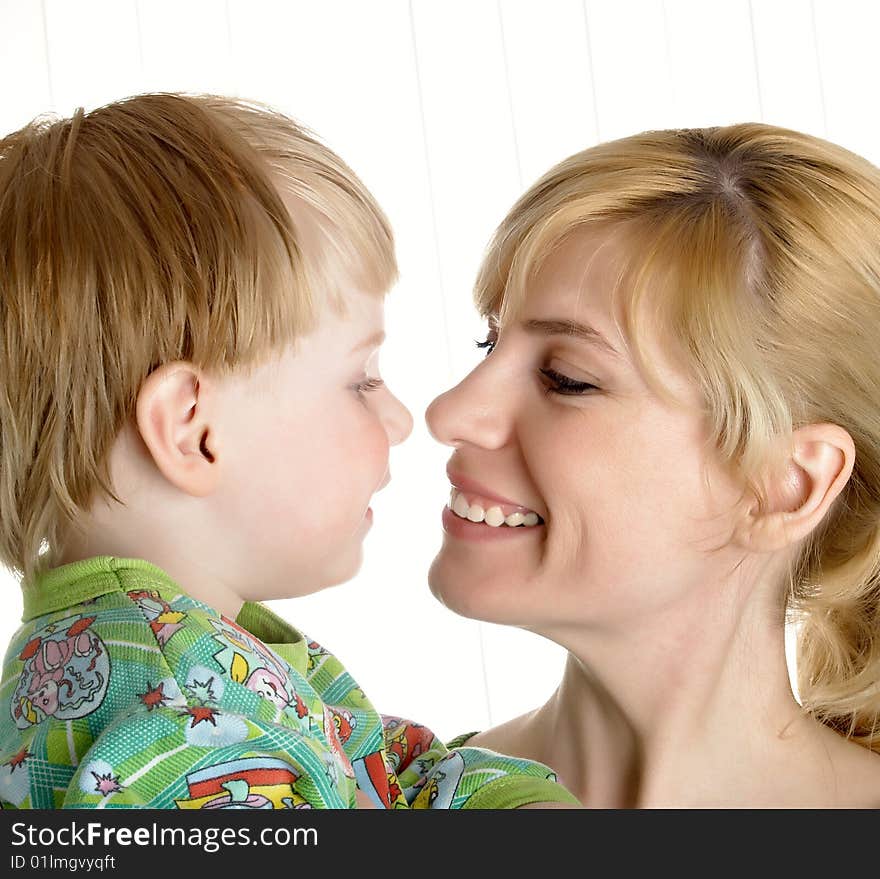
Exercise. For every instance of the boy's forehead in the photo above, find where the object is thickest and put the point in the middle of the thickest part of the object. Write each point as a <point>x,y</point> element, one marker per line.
<point>322,246</point>
<point>361,313</point>
<point>337,345</point>
<point>348,315</point>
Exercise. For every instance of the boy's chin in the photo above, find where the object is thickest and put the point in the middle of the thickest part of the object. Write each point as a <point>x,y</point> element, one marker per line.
<point>344,568</point>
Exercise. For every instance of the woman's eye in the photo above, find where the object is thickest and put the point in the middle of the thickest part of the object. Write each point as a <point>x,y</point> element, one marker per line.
<point>565,386</point>
<point>560,384</point>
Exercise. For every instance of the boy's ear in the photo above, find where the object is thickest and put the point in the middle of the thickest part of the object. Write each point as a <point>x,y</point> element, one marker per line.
<point>815,470</point>
<point>172,417</point>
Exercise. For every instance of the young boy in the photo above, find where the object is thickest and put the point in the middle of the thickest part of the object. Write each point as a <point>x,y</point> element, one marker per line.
<point>191,420</point>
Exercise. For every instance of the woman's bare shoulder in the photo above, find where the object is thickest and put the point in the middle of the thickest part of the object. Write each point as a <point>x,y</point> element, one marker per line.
<point>868,777</point>
<point>514,737</point>
<point>856,781</point>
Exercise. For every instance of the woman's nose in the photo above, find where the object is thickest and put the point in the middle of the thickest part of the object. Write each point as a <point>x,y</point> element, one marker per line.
<point>471,412</point>
<point>398,420</point>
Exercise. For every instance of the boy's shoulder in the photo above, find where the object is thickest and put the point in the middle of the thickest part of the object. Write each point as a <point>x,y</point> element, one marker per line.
<point>123,625</point>
<point>116,669</point>
<point>112,641</point>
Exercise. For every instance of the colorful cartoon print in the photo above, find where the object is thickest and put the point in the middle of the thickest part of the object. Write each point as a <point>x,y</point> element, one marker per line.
<point>204,686</point>
<point>154,697</point>
<point>380,784</point>
<point>440,789</point>
<point>250,662</point>
<point>344,723</point>
<point>99,777</point>
<point>316,655</point>
<point>405,741</point>
<point>65,675</point>
<point>106,783</point>
<point>332,736</point>
<point>163,620</point>
<point>15,778</point>
<point>269,685</point>
<point>247,783</point>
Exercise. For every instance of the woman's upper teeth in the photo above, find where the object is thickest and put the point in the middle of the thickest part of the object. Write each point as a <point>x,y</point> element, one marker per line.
<point>478,509</point>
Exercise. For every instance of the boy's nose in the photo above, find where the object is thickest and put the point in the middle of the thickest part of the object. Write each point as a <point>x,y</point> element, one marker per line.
<point>398,421</point>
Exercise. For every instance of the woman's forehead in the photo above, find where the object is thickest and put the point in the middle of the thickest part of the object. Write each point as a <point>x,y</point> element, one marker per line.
<point>577,281</point>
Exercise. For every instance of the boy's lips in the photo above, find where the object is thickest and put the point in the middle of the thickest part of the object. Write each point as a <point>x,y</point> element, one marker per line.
<point>368,515</point>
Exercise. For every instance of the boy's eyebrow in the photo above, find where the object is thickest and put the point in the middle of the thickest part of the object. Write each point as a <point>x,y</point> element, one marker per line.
<point>374,341</point>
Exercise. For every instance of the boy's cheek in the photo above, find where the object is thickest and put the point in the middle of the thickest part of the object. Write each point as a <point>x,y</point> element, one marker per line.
<point>372,448</point>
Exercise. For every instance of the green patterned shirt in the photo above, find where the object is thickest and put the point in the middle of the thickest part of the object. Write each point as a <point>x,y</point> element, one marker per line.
<point>120,690</point>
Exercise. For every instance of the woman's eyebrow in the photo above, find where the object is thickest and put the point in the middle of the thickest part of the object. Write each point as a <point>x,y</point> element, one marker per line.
<point>372,342</point>
<point>565,327</point>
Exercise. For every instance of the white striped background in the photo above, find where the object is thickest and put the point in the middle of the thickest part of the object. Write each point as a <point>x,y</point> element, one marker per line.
<point>447,111</point>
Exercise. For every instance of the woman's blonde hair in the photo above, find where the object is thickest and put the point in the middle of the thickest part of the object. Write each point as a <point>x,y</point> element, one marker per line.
<point>150,230</point>
<point>755,251</point>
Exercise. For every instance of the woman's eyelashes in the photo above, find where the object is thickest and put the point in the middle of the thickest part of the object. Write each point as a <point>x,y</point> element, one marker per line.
<point>559,383</point>
<point>565,386</point>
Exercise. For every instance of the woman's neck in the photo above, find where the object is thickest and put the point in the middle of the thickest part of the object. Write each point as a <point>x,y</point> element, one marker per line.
<point>694,709</point>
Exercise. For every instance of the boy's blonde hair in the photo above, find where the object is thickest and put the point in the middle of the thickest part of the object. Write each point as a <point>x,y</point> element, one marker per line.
<point>755,251</point>
<point>150,230</point>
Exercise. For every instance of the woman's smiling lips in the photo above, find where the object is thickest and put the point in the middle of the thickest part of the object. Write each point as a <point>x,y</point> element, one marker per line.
<point>471,486</point>
<point>480,532</point>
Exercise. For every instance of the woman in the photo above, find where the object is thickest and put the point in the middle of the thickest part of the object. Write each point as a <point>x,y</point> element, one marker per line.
<point>674,441</point>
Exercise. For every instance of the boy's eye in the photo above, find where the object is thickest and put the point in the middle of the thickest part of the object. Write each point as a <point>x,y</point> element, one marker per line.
<point>370,384</point>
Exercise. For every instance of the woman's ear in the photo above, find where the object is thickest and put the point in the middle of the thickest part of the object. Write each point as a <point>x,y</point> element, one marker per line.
<point>173,415</point>
<point>815,470</point>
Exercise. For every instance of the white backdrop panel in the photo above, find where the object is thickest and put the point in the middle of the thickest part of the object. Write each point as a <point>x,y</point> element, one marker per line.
<point>447,111</point>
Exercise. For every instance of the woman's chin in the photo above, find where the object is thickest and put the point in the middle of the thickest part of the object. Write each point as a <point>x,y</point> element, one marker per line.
<point>468,594</point>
